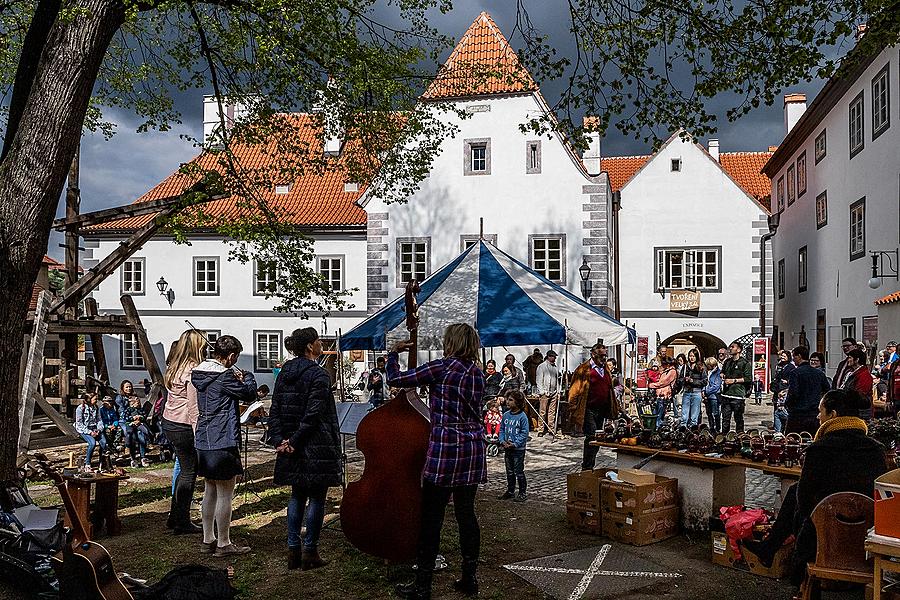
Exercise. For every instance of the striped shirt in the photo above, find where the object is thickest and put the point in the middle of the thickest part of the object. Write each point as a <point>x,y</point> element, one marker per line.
<point>456,447</point>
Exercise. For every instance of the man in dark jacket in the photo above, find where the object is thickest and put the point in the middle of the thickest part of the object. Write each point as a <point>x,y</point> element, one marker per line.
<point>805,388</point>
<point>530,366</point>
<point>377,384</point>
<point>737,375</point>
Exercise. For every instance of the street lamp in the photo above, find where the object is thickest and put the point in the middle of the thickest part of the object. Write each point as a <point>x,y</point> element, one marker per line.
<point>878,267</point>
<point>163,286</point>
<point>586,284</point>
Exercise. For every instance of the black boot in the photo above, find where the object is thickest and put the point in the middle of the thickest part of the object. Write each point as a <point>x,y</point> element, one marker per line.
<point>764,551</point>
<point>295,558</point>
<point>468,583</point>
<point>419,588</point>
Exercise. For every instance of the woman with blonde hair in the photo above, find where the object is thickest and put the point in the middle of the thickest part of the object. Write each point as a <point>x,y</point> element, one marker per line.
<point>178,423</point>
<point>455,462</point>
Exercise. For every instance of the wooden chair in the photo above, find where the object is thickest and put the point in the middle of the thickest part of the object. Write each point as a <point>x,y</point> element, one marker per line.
<point>841,522</point>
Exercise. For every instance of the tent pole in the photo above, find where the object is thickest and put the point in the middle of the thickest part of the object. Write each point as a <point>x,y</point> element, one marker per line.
<point>340,365</point>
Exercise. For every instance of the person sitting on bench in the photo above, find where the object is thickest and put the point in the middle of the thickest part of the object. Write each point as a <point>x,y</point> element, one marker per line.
<point>841,459</point>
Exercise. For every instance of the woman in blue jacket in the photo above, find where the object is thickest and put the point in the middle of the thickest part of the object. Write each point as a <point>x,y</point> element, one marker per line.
<point>711,393</point>
<point>221,387</point>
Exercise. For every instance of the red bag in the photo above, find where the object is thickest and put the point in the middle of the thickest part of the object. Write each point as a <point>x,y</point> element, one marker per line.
<point>739,524</point>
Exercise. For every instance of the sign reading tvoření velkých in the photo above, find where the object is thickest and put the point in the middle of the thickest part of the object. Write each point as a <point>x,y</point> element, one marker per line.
<point>684,300</point>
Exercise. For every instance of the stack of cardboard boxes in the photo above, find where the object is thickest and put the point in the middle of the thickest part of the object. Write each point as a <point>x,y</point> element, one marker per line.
<point>641,508</point>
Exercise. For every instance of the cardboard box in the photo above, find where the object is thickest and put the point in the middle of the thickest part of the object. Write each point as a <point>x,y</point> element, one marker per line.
<point>887,504</point>
<point>625,497</point>
<point>584,488</point>
<point>722,554</point>
<point>641,529</point>
<point>584,518</point>
<point>636,476</point>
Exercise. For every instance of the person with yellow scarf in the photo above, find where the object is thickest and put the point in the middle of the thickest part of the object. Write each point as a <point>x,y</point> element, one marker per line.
<point>842,458</point>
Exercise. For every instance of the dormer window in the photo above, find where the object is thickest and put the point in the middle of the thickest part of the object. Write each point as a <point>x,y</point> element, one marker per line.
<point>282,189</point>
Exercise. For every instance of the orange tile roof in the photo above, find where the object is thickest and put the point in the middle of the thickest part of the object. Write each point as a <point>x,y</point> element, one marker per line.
<point>889,299</point>
<point>743,167</point>
<point>316,197</point>
<point>482,64</point>
<point>35,292</point>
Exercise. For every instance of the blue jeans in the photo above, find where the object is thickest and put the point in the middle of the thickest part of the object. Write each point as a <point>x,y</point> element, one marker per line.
<point>661,404</point>
<point>712,412</point>
<point>515,469</point>
<point>781,417</point>
<point>315,515</point>
<point>136,439</point>
<point>92,443</point>
<point>690,408</point>
<point>176,469</point>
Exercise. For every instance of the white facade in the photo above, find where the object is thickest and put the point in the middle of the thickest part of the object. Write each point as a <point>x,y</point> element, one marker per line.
<point>832,299</point>
<point>697,217</point>
<point>235,309</point>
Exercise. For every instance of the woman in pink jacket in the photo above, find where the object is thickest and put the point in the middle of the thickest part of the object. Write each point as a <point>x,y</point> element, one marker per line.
<point>663,388</point>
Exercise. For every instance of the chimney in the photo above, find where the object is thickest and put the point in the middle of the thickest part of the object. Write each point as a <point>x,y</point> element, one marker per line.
<point>714,149</point>
<point>591,156</point>
<point>794,107</point>
<point>332,128</point>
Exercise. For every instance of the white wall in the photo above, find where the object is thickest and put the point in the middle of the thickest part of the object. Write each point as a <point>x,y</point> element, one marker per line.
<point>698,206</point>
<point>836,283</point>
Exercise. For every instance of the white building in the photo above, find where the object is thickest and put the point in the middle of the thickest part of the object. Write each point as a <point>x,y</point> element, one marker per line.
<point>691,218</point>
<point>836,183</point>
<point>540,203</point>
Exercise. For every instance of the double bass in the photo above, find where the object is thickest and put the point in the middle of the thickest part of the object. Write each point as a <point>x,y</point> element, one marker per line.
<point>381,512</point>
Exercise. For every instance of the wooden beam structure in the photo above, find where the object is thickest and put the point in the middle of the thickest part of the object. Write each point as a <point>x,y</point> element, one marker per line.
<point>87,327</point>
<point>134,319</point>
<point>34,370</point>
<point>100,368</point>
<point>107,215</point>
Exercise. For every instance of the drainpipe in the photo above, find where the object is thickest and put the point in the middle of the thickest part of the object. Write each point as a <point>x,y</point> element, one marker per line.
<point>773,227</point>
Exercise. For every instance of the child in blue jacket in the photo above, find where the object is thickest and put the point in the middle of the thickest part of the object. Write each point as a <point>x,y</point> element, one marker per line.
<point>513,436</point>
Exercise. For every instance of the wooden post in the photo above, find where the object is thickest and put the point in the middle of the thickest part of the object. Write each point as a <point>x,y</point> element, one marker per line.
<point>33,370</point>
<point>134,319</point>
<point>70,340</point>
<point>101,370</point>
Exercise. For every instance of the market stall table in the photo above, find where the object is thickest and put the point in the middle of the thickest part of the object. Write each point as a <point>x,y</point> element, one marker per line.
<point>106,502</point>
<point>886,554</point>
<point>705,482</point>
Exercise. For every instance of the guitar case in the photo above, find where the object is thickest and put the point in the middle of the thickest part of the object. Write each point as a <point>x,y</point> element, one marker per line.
<point>190,582</point>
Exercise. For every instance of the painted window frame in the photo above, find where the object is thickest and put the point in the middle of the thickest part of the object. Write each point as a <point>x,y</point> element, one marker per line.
<point>822,210</point>
<point>474,237</point>
<point>801,174</point>
<point>822,136</point>
<point>532,157</point>
<point>802,269</point>
<point>675,165</point>
<point>468,145</point>
<point>791,176</point>
<point>257,368</point>
<point>563,257</point>
<point>661,277</point>
<point>342,271</point>
<point>211,336</point>
<point>848,327</point>
<point>398,272</point>
<point>858,104</point>
<point>779,194</point>
<point>256,271</point>
<point>857,252</point>
<point>141,260</point>
<point>195,281</point>
<point>883,74</point>
<point>781,280</point>
<point>137,362</point>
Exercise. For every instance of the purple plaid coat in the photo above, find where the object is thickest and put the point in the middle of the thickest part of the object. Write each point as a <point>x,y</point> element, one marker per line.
<point>456,448</point>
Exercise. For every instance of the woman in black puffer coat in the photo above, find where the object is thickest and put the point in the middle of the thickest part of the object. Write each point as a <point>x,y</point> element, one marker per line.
<point>303,427</point>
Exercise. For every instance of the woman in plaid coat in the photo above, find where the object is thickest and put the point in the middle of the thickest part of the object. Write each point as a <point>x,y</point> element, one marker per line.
<point>455,463</point>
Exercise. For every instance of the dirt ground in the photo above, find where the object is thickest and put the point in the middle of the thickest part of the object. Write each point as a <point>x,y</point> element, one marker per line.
<point>511,532</point>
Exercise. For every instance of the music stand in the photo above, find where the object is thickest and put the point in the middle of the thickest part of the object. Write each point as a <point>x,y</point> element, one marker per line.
<point>248,483</point>
<point>349,415</point>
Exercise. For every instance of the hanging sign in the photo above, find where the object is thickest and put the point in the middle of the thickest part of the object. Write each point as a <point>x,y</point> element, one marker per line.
<point>684,300</point>
<point>761,363</point>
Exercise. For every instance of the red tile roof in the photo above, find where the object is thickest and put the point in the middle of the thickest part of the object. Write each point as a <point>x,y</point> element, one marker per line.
<point>743,167</point>
<point>482,64</point>
<point>889,299</point>
<point>316,198</point>
<point>35,292</point>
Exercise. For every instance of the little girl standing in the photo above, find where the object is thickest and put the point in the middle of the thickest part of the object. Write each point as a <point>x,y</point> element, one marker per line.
<point>513,436</point>
<point>492,420</point>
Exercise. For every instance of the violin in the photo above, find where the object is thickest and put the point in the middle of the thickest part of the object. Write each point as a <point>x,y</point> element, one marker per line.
<point>381,512</point>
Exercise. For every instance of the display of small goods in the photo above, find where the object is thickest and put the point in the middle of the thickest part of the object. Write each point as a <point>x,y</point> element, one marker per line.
<point>887,431</point>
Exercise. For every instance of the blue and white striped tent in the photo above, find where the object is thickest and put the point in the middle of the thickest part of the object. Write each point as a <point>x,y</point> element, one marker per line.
<point>506,301</point>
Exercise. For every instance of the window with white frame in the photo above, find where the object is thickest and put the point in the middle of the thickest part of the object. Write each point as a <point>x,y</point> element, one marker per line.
<point>858,229</point>
<point>267,346</point>
<point>533,157</point>
<point>265,277</point>
<point>413,255</point>
<point>801,269</point>
<point>857,129</point>
<point>332,269</point>
<point>822,210</point>
<point>466,241</point>
<point>781,285</point>
<point>477,156</point>
<point>791,185</point>
<point>211,336</point>
<point>688,268</point>
<point>282,188</point>
<point>881,103</point>
<point>130,352</point>
<point>546,254</point>
<point>821,146</point>
<point>801,174</point>
<point>779,193</point>
<point>133,276</point>
<point>848,328</point>
<point>206,275</point>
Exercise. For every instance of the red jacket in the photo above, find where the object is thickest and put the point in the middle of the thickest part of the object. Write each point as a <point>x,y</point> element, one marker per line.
<point>861,382</point>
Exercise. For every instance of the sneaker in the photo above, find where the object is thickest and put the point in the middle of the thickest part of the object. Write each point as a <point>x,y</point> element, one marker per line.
<point>87,469</point>
<point>542,434</point>
<point>134,464</point>
<point>208,547</point>
<point>231,550</point>
<point>519,498</point>
<point>145,462</point>
<point>505,496</point>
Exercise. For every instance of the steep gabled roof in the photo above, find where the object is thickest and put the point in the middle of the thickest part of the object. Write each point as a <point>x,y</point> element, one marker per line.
<point>315,199</point>
<point>482,64</point>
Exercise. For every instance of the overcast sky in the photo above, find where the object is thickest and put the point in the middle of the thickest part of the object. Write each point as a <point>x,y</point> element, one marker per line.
<point>118,171</point>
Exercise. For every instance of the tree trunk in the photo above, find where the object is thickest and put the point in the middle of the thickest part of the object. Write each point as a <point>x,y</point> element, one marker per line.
<point>32,174</point>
